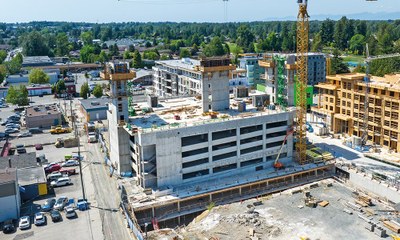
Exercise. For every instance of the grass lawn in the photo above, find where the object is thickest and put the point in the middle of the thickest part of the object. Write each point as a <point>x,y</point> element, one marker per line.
<point>354,58</point>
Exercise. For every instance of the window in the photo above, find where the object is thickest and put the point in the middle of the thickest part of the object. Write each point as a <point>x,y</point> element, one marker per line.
<point>224,168</point>
<point>186,141</point>
<point>245,130</point>
<point>276,134</point>
<point>276,124</point>
<point>252,139</point>
<point>194,152</point>
<point>252,149</point>
<point>195,174</point>
<point>223,156</point>
<point>273,144</point>
<point>224,134</point>
<point>383,92</point>
<point>195,163</point>
<point>391,93</point>
<point>224,145</point>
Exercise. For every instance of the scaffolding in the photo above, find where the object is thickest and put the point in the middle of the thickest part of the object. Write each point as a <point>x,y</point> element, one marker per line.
<point>281,101</point>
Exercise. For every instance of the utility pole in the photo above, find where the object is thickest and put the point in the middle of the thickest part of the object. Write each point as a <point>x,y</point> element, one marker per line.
<point>72,115</point>
<point>80,160</point>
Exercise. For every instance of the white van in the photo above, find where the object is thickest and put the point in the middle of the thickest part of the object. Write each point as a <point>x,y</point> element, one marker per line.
<point>63,181</point>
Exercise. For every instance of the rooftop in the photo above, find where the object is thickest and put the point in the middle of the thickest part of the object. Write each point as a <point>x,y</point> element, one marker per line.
<point>8,175</point>
<point>31,175</point>
<point>37,61</point>
<point>19,161</point>
<point>187,111</point>
<point>185,63</point>
<point>94,103</point>
<point>42,110</point>
<point>388,81</point>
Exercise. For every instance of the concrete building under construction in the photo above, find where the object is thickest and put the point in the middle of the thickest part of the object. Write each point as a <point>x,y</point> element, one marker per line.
<point>341,106</point>
<point>188,151</point>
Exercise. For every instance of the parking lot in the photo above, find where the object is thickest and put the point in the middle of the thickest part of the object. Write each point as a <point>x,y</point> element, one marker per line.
<point>87,224</point>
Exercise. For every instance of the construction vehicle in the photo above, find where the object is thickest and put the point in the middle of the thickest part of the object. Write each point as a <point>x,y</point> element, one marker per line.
<point>59,129</point>
<point>278,165</point>
<point>395,237</point>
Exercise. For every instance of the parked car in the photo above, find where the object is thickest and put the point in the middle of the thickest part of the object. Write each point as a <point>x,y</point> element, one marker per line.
<point>3,123</point>
<point>39,219</point>
<point>20,148</point>
<point>35,130</point>
<point>38,146</point>
<point>11,130</point>
<point>9,226</point>
<point>67,171</point>
<point>55,216</point>
<point>24,222</point>
<point>49,204</point>
<point>3,106</point>
<point>19,109</point>
<point>62,181</point>
<point>54,176</point>
<point>69,212</point>
<point>52,168</point>
<point>3,134</point>
<point>61,203</point>
<point>13,125</point>
<point>70,163</point>
<point>24,134</point>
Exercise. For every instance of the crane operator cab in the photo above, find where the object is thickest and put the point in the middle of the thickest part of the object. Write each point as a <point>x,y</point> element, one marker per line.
<point>302,2</point>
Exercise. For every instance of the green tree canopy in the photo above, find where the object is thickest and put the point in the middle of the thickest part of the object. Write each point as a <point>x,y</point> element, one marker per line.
<point>316,45</point>
<point>62,45</point>
<point>98,91</point>
<point>337,64</point>
<point>3,73</point>
<point>19,97</point>
<point>84,91</point>
<point>137,60</point>
<point>357,43</point>
<point>38,76</point>
<point>3,55</point>
<point>60,87</point>
<point>245,38</point>
<point>184,53</point>
<point>34,44</point>
<point>87,38</point>
<point>214,48</point>
<point>87,54</point>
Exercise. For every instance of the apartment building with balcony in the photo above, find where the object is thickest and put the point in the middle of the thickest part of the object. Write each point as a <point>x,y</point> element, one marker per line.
<point>342,107</point>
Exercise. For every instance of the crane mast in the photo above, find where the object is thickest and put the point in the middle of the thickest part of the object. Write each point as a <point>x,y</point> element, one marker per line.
<point>301,83</point>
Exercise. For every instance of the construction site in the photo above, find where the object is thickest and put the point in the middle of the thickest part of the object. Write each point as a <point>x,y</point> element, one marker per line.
<point>209,164</point>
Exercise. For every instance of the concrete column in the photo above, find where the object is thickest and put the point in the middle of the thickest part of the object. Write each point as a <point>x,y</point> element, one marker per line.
<point>210,152</point>
<point>240,191</point>
<point>153,212</point>
<point>238,147</point>
<point>292,178</point>
<point>210,197</point>
<point>179,206</point>
<point>264,140</point>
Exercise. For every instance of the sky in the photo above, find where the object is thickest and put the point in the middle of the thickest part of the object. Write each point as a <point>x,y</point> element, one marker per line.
<point>101,11</point>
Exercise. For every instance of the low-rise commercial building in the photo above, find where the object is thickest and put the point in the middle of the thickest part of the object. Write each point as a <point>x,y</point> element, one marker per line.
<point>94,108</point>
<point>10,200</point>
<point>43,116</point>
<point>33,182</point>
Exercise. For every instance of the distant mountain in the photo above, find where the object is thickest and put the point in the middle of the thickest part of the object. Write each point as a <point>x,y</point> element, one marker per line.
<point>361,16</point>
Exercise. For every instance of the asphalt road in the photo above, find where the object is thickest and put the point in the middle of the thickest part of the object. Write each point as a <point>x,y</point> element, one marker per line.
<point>107,195</point>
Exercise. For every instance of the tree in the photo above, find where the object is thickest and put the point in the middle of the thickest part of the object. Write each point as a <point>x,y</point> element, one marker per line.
<point>337,64</point>
<point>3,73</point>
<point>34,44</point>
<point>245,38</point>
<point>3,55</point>
<point>98,91</point>
<point>137,60</point>
<point>147,45</point>
<point>19,97</point>
<point>84,90</point>
<point>11,95</point>
<point>131,48</point>
<point>103,57</point>
<point>14,66</point>
<point>60,87</point>
<point>317,43</point>
<point>87,54</point>
<point>357,43</point>
<point>127,55</point>
<point>214,48</point>
<point>327,31</point>
<point>87,38</point>
<point>38,76</point>
<point>62,45</point>
<point>184,53</point>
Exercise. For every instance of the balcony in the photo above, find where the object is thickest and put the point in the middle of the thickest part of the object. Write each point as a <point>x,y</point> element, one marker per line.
<point>266,63</point>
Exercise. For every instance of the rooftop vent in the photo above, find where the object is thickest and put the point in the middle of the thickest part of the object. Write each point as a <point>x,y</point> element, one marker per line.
<point>95,103</point>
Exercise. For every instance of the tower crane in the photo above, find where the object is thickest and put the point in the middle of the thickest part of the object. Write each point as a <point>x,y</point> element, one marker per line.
<point>301,84</point>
